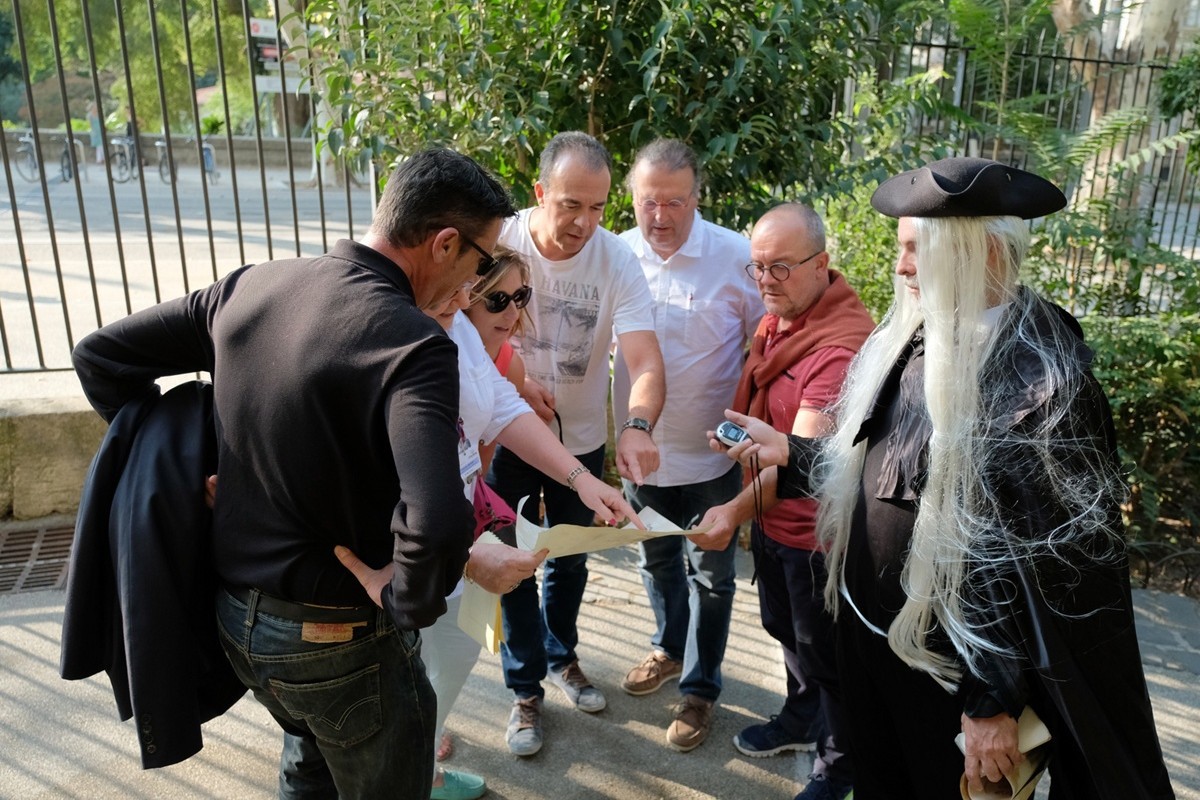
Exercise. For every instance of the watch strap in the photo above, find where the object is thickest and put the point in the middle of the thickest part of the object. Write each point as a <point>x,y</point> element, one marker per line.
<point>639,423</point>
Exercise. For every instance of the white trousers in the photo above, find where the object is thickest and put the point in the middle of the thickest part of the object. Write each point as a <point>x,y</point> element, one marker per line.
<point>449,655</point>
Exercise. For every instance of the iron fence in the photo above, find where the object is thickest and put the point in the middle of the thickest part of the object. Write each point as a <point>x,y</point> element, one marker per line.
<point>186,193</point>
<point>1084,109</point>
<point>213,164</point>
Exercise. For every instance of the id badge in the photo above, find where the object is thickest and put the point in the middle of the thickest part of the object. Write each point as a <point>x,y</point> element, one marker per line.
<point>470,463</point>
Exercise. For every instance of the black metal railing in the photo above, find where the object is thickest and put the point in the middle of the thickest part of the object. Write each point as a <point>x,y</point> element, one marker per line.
<point>79,252</point>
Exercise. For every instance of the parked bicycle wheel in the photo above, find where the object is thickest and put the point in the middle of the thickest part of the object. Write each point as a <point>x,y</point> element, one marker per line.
<point>166,170</point>
<point>120,166</point>
<point>27,165</point>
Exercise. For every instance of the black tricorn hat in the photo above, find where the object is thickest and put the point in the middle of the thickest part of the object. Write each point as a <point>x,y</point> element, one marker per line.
<point>967,187</point>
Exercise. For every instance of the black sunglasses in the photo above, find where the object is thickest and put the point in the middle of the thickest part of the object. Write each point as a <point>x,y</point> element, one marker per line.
<point>497,301</point>
<point>486,262</point>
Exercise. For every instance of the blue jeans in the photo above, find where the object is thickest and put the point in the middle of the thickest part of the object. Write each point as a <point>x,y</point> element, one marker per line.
<point>364,707</point>
<point>540,638</point>
<point>791,596</point>
<point>690,590</point>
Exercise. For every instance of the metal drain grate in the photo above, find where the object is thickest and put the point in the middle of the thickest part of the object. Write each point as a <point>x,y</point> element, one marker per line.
<point>34,554</point>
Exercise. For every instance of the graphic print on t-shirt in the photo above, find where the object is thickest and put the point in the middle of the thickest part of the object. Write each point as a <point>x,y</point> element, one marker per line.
<point>567,316</point>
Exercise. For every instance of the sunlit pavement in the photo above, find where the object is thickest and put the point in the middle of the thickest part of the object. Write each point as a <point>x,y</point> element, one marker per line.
<point>61,739</point>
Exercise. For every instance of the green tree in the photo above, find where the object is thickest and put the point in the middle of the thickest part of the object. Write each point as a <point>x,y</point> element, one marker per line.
<point>171,36</point>
<point>12,78</point>
<point>1179,91</point>
<point>750,84</point>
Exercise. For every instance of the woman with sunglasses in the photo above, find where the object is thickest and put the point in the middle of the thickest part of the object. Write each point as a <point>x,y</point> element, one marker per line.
<point>497,311</point>
<point>490,408</point>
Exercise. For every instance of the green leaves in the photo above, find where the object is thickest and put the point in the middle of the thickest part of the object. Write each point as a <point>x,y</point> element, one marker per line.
<point>749,83</point>
<point>1149,367</point>
<point>1179,87</point>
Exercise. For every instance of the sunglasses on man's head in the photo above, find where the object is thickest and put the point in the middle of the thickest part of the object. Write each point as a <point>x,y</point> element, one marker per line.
<point>497,301</point>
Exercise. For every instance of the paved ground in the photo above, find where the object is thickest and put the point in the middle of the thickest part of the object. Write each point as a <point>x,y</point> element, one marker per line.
<point>61,739</point>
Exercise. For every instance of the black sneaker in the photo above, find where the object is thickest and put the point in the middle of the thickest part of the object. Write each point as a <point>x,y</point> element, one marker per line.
<point>768,739</point>
<point>821,788</point>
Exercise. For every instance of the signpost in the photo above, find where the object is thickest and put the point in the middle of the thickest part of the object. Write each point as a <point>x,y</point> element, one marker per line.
<point>265,55</point>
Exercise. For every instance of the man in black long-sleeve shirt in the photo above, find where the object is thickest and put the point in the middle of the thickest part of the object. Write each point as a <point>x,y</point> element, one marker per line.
<point>336,411</point>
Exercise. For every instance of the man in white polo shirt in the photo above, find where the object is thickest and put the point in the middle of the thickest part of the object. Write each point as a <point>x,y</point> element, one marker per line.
<point>705,310</point>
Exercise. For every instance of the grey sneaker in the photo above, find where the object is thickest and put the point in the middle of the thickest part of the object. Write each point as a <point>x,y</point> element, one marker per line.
<point>578,688</point>
<point>524,735</point>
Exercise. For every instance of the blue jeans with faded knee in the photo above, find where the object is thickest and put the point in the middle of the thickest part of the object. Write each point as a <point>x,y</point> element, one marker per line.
<point>363,707</point>
<point>690,590</point>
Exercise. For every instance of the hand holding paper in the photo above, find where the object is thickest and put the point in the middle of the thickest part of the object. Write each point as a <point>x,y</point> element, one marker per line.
<point>499,568</point>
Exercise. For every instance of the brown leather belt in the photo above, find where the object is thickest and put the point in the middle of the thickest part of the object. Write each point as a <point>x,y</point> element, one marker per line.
<point>302,612</point>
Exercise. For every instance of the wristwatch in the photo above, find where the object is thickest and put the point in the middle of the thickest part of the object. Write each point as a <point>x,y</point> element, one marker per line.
<point>639,423</point>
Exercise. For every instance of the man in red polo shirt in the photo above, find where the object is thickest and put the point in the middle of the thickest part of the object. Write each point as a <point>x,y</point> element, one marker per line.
<point>814,325</point>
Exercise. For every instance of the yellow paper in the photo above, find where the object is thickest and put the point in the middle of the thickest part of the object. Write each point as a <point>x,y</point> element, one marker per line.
<point>569,540</point>
<point>479,613</point>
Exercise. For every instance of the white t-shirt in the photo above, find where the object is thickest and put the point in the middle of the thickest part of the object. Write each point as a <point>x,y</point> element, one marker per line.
<point>705,310</point>
<point>578,304</point>
<point>487,401</point>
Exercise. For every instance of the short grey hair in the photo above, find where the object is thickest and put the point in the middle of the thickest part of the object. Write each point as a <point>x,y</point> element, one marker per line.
<point>814,226</point>
<point>595,156</point>
<point>671,155</point>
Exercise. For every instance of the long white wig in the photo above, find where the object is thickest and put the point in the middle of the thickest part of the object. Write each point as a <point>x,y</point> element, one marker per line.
<point>966,267</point>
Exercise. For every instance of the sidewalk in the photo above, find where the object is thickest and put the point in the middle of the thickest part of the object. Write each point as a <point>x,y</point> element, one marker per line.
<point>61,739</point>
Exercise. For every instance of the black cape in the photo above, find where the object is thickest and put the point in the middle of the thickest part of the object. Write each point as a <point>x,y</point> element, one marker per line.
<point>1067,623</point>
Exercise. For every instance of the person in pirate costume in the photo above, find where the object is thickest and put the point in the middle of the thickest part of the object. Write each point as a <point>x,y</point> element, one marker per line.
<point>970,502</point>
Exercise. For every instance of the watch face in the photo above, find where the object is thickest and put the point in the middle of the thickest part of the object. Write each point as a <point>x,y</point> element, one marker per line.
<point>639,423</point>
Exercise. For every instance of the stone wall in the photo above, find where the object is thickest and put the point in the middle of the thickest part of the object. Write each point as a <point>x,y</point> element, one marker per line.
<point>45,449</point>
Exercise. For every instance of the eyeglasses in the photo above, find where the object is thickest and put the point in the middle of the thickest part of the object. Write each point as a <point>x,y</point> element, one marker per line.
<point>486,262</point>
<point>650,206</point>
<point>779,271</point>
<point>497,301</point>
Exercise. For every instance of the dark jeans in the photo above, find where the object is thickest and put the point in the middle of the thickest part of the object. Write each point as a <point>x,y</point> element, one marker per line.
<point>363,707</point>
<point>542,637</point>
<point>791,585</point>
<point>690,590</point>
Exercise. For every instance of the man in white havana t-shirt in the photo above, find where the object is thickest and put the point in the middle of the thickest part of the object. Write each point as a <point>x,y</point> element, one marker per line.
<point>587,287</point>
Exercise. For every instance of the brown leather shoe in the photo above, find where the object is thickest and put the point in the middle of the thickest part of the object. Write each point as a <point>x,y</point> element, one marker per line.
<point>693,721</point>
<point>648,676</point>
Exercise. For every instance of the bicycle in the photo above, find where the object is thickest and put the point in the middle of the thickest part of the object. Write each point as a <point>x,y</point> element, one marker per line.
<point>124,158</point>
<point>166,169</point>
<point>69,161</point>
<point>26,158</point>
